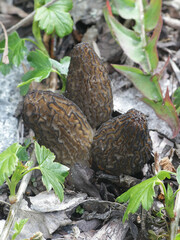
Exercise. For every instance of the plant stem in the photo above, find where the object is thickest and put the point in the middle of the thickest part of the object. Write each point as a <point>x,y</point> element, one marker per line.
<point>14,208</point>
<point>32,41</point>
<point>175,223</point>
<point>143,33</point>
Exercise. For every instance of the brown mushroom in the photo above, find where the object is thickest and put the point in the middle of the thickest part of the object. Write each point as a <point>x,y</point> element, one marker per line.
<point>88,85</point>
<point>59,125</point>
<point>122,144</point>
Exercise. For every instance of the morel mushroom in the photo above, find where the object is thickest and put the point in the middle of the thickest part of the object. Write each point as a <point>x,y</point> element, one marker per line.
<point>59,125</point>
<point>122,144</point>
<point>88,85</point>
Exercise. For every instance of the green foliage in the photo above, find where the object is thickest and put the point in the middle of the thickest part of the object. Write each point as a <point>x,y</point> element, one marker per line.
<point>42,67</point>
<point>62,69</point>
<point>177,237</point>
<point>56,18</point>
<point>177,100</point>
<point>153,236</point>
<point>79,210</point>
<point>53,173</point>
<point>8,161</point>
<point>143,193</point>
<point>18,227</point>
<point>178,175</point>
<point>140,45</point>
<point>17,51</point>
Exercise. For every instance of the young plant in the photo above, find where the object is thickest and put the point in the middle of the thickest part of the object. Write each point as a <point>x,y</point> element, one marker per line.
<point>12,169</point>
<point>144,193</point>
<point>140,45</point>
<point>176,101</point>
<point>18,228</point>
<point>53,20</point>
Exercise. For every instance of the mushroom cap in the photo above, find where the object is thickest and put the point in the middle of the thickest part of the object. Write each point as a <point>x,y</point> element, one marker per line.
<point>122,144</point>
<point>88,85</point>
<point>60,125</point>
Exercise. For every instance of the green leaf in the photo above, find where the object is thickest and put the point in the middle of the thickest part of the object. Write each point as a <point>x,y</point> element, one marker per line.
<point>22,154</point>
<point>53,173</point>
<point>177,99</point>
<point>177,237</point>
<point>129,41</point>
<point>152,13</point>
<point>126,9</point>
<point>17,51</point>
<point>56,18</point>
<point>62,66</point>
<point>169,202</point>
<point>8,161</point>
<point>142,193</point>
<point>178,175</point>
<point>18,227</point>
<point>166,111</point>
<point>42,68</point>
<point>148,85</point>
<point>164,174</point>
<point>151,47</point>
<point>137,44</point>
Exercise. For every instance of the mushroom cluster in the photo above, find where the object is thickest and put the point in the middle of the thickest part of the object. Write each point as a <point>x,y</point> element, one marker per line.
<point>79,127</point>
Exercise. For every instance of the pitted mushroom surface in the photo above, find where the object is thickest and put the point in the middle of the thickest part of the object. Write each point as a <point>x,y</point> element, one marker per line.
<point>119,145</point>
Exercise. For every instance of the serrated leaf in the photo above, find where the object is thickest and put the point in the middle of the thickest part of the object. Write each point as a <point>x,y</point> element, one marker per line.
<point>142,193</point>
<point>38,60</point>
<point>164,174</point>
<point>8,161</point>
<point>53,173</point>
<point>62,66</point>
<point>18,227</point>
<point>42,68</point>
<point>148,85</point>
<point>55,18</point>
<point>178,175</point>
<point>22,154</point>
<point>17,51</point>
<point>166,111</point>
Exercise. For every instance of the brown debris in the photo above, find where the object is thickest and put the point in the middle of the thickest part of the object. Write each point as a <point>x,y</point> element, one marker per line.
<point>167,165</point>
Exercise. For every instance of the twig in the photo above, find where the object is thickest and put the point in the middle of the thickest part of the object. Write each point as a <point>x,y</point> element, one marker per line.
<point>5,58</point>
<point>24,21</point>
<point>14,207</point>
